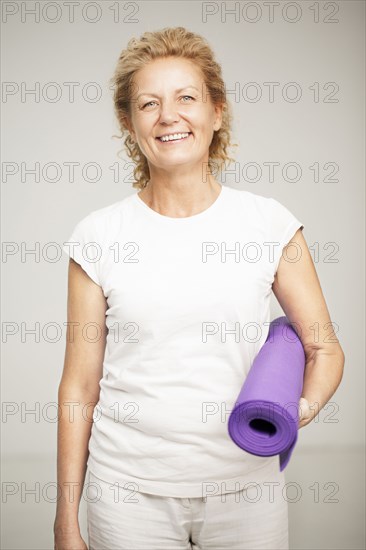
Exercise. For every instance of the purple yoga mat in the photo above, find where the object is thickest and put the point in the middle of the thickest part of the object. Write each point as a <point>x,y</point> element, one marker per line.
<point>264,421</point>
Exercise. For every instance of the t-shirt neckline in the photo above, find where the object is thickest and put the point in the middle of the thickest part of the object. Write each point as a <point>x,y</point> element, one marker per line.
<point>186,219</point>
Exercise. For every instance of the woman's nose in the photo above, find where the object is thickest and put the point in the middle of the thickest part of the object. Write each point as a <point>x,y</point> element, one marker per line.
<point>168,111</point>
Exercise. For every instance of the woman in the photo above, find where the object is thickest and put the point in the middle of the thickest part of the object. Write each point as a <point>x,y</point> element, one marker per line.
<point>171,289</point>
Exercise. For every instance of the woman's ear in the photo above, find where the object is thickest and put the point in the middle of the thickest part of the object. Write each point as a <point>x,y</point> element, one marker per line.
<point>129,125</point>
<point>218,116</point>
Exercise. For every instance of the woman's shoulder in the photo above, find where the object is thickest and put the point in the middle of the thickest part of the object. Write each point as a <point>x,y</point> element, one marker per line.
<point>101,223</point>
<point>257,200</point>
<point>260,209</point>
<point>110,211</point>
<point>253,202</point>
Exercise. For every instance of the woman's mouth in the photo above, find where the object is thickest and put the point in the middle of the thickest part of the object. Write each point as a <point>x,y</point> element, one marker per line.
<point>174,138</point>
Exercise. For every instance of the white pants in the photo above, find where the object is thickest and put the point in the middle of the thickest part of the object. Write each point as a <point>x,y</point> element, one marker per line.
<point>255,517</point>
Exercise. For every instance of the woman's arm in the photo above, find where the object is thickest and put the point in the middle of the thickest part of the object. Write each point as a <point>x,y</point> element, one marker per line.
<point>297,289</point>
<point>78,393</point>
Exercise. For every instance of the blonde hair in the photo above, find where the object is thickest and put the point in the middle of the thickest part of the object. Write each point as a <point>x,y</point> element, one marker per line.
<point>170,42</point>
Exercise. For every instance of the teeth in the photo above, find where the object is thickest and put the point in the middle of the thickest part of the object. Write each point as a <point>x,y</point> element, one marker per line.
<point>174,136</point>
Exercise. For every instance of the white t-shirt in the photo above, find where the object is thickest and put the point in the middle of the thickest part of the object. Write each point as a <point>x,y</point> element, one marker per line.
<point>188,311</point>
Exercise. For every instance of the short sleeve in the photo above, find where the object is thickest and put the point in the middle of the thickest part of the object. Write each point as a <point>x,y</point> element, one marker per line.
<point>283,226</point>
<point>85,248</point>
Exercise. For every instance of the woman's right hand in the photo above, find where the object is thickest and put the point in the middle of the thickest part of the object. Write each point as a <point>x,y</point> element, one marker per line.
<point>69,541</point>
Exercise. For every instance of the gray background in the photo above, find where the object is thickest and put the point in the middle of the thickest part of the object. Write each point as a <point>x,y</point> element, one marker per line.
<point>330,451</point>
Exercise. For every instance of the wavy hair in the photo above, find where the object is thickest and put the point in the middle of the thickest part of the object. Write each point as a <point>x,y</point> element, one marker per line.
<point>169,42</point>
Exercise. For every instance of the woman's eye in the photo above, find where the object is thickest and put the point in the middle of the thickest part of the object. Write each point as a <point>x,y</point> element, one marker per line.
<point>150,102</point>
<point>147,104</point>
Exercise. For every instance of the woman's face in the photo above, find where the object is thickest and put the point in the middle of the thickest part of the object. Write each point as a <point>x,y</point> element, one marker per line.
<point>169,97</point>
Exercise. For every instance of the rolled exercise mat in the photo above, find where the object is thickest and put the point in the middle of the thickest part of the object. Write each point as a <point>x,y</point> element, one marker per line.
<point>264,421</point>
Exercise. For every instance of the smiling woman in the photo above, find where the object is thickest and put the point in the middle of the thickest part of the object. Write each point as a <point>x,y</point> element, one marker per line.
<point>174,131</point>
<point>188,85</point>
<point>164,386</point>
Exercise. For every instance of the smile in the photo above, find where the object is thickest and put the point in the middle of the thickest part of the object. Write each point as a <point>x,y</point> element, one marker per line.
<point>174,138</point>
